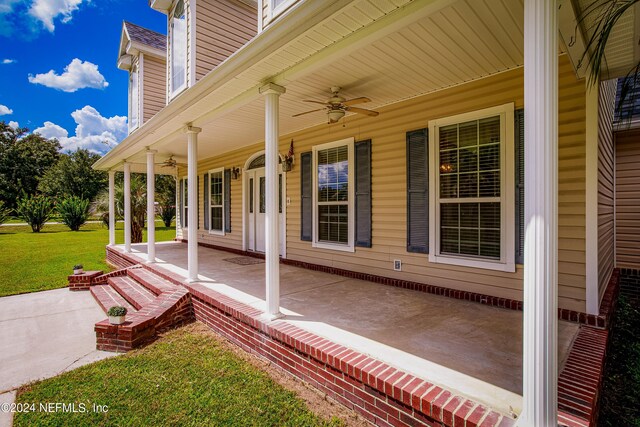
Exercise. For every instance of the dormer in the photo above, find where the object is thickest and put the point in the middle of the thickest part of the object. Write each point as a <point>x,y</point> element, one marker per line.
<point>201,35</point>
<point>143,54</point>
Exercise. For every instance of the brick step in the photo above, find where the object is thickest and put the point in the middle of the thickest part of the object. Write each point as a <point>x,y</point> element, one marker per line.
<point>107,297</point>
<point>135,293</point>
<point>151,281</point>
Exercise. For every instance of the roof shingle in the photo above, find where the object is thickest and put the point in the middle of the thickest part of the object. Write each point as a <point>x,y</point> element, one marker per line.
<point>145,36</point>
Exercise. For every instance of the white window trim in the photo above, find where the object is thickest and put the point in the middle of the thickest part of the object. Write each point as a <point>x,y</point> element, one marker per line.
<point>173,92</point>
<point>136,67</point>
<point>208,189</point>
<point>183,202</point>
<point>275,11</point>
<point>507,191</point>
<point>349,247</point>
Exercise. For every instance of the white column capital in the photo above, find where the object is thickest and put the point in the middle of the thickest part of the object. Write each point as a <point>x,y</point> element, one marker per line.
<point>152,152</point>
<point>272,88</point>
<point>188,129</point>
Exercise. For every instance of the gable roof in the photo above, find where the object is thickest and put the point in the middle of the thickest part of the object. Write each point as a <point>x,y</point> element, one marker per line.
<point>145,36</point>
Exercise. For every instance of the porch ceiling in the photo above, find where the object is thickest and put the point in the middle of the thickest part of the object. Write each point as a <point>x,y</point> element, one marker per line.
<point>386,50</point>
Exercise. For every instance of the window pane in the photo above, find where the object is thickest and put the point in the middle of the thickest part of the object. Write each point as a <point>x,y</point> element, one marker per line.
<point>135,106</point>
<point>490,130</point>
<point>490,184</point>
<point>333,174</point>
<point>449,215</point>
<point>216,189</point>
<point>251,195</point>
<point>469,244</point>
<point>469,184</point>
<point>178,44</point>
<point>448,137</point>
<point>468,134</point>
<point>448,162</point>
<point>470,229</point>
<point>263,203</point>
<point>216,218</point>
<point>449,186</point>
<point>449,240</point>
<point>333,223</point>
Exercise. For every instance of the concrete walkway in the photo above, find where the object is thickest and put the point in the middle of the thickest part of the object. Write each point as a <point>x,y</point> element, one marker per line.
<point>42,335</point>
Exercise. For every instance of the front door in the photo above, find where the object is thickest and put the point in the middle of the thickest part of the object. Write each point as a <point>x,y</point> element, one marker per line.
<point>257,204</point>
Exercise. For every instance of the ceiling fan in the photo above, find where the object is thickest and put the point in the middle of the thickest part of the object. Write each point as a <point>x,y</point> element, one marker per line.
<point>337,106</point>
<point>169,163</point>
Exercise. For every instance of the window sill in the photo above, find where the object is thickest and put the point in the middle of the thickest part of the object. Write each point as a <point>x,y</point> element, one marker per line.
<point>216,232</point>
<point>333,247</point>
<point>508,267</point>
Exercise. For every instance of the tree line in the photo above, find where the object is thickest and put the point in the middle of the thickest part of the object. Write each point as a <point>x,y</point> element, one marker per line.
<point>38,183</point>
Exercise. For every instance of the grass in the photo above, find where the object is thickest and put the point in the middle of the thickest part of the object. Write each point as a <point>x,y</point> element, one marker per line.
<point>187,378</point>
<point>33,262</point>
<point>620,401</point>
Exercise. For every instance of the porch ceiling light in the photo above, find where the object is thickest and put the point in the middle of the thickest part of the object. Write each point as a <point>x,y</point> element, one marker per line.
<point>335,115</point>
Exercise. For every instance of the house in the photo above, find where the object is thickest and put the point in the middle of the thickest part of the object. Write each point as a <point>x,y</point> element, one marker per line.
<point>445,151</point>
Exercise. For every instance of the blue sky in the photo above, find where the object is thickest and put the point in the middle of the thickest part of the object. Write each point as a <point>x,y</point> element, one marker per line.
<point>58,58</point>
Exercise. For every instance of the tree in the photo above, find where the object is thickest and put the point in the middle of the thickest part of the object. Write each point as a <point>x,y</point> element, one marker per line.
<point>4,213</point>
<point>166,197</point>
<point>604,15</point>
<point>74,211</point>
<point>35,210</point>
<point>24,158</point>
<point>138,204</point>
<point>72,175</point>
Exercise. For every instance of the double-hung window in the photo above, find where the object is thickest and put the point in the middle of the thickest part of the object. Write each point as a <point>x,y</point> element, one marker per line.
<point>472,189</point>
<point>178,48</point>
<point>333,214</point>
<point>134,98</point>
<point>216,201</point>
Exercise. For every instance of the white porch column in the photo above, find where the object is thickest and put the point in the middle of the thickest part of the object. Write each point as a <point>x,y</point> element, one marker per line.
<point>540,355</point>
<point>272,93</point>
<point>127,207</point>
<point>192,202</point>
<point>112,208</point>
<point>151,208</point>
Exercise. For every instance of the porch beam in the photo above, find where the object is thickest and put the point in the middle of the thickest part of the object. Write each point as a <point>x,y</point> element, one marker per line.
<point>540,327</point>
<point>192,202</point>
<point>272,94</point>
<point>151,206</point>
<point>112,208</point>
<point>127,206</point>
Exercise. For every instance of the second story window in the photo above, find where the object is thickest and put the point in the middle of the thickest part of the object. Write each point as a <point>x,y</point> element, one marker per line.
<point>178,48</point>
<point>134,99</point>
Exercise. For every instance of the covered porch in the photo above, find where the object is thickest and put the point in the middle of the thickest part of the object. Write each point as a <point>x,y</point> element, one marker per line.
<point>470,349</point>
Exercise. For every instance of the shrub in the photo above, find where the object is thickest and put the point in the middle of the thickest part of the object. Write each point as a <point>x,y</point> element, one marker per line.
<point>73,211</point>
<point>167,213</point>
<point>117,311</point>
<point>4,213</point>
<point>35,211</point>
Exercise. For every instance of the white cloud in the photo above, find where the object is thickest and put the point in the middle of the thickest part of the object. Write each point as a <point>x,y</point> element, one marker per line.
<point>9,61</point>
<point>4,110</point>
<point>77,75</point>
<point>46,11</point>
<point>14,124</point>
<point>93,131</point>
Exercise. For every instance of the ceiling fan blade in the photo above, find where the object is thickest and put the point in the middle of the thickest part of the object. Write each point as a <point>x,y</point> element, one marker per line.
<point>315,102</point>
<point>307,112</point>
<point>355,101</point>
<point>363,111</point>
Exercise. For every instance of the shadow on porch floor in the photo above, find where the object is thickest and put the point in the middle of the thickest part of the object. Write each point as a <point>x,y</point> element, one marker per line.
<point>472,348</point>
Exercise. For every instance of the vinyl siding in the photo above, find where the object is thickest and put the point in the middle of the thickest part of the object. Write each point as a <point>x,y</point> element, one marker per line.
<point>627,186</point>
<point>154,79</point>
<point>606,184</point>
<point>222,27</point>
<point>388,132</point>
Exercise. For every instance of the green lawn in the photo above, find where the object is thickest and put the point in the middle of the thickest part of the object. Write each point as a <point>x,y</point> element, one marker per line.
<point>39,261</point>
<point>187,378</point>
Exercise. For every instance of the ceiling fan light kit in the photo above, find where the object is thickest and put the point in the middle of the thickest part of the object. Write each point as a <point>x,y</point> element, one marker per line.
<point>336,106</point>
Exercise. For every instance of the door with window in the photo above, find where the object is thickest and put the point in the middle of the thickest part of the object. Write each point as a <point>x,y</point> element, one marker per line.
<point>257,206</point>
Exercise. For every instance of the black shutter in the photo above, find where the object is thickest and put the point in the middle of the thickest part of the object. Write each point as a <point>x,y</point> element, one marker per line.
<point>363,193</point>
<point>306,196</point>
<point>207,210</point>
<point>227,200</point>
<point>181,202</point>
<point>519,167</point>
<point>418,191</point>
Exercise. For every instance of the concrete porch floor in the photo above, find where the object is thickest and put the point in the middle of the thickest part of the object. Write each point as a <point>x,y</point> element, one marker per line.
<point>465,346</point>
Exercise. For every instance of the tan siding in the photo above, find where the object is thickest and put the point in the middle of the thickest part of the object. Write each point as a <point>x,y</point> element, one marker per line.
<point>222,27</point>
<point>387,133</point>
<point>154,82</point>
<point>605,184</point>
<point>627,187</point>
